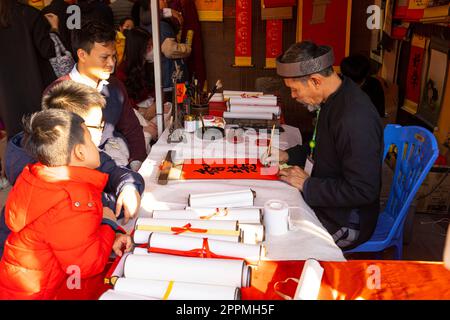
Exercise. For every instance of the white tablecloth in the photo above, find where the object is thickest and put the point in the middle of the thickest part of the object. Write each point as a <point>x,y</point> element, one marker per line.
<point>307,237</point>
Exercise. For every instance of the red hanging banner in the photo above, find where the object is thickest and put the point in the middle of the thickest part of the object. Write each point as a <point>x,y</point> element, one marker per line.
<point>401,9</point>
<point>416,9</point>
<point>274,42</point>
<point>413,84</point>
<point>243,41</point>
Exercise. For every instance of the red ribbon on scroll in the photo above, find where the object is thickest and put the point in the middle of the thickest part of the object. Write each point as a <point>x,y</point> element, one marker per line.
<point>243,41</point>
<point>218,169</point>
<point>185,228</point>
<point>203,252</point>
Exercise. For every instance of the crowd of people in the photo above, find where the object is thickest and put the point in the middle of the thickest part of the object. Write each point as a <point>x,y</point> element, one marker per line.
<point>79,139</point>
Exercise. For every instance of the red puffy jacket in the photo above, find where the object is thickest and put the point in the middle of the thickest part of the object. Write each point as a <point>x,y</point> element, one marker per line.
<point>55,217</point>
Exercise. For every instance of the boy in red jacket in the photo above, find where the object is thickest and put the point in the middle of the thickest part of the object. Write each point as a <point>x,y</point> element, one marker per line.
<point>55,211</point>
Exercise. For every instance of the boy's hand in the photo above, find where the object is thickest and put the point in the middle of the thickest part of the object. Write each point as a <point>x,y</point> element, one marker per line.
<point>130,200</point>
<point>109,214</point>
<point>122,240</point>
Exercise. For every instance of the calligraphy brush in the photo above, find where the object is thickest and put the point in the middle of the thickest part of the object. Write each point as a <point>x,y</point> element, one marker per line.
<point>269,148</point>
<point>196,93</point>
<point>213,91</point>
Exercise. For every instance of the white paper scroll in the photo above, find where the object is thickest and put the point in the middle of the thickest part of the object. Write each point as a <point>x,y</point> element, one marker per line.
<point>253,233</point>
<point>242,215</point>
<point>255,109</point>
<point>114,295</point>
<point>248,115</point>
<point>175,290</point>
<point>221,248</point>
<point>229,199</point>
<point>257,101</point>
<point>310,281</point>
<point>140,251</point>
<point>276,217</point>
<point>141,236</point>
<point>195,223</point>
<point>232,93</point>
<point>222,272</point>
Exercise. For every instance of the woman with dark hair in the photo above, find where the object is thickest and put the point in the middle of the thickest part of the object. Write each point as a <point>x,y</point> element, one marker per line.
<point>24,61</point>
<point>136,72</point>
<point>124,24</point>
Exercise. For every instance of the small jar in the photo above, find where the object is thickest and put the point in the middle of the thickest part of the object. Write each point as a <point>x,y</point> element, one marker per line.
<point>189,123</point>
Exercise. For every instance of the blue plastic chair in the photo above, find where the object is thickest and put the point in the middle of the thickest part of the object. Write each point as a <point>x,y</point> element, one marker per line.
<point>417,152</point>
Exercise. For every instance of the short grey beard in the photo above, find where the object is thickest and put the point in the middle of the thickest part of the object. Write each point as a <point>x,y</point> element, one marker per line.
<point>313,107</point>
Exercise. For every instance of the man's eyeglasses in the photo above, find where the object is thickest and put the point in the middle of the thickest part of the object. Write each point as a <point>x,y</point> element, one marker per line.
<point>99,127</point>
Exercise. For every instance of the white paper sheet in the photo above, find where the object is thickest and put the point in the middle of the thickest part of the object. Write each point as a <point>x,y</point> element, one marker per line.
<point>176,290</point>
<point>221,248</point>
<point>225,272</point>
<point>229,199</point>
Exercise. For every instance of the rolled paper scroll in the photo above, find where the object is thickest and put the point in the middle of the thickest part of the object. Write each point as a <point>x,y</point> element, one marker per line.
<point>201,247</point>
<point>254,109</point>
<point>232,93</point>
<point>114,295</point>
<point>229,199</point>
<point>222,272</point>
<point>174,290</point>
<point>256,101</point>
<point>248,115</point>
<point>179,226</point>
<point>141,236</point>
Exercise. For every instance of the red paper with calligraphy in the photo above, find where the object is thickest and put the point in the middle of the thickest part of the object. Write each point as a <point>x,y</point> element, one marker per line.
<point>413,84</point>
<point>274,41</point>
<point>244,169</point>
<point>243,41</point>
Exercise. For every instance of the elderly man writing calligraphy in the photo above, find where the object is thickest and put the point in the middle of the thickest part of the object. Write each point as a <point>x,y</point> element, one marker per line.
<point>341,175</point>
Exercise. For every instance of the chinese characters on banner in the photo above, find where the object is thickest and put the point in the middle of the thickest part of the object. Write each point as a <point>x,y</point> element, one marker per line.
<point>209,10</point>
<point>243,40</point>
<point>239,169</point>
<point>274,42</point>
<point>414,77</point>
<point>326,22</point>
